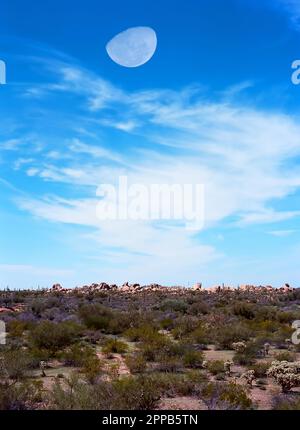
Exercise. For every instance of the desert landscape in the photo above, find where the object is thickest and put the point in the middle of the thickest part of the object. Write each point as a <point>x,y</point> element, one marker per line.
<point>104,347</point>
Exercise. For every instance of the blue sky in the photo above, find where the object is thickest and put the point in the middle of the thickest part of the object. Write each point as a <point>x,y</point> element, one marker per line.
<point>215,105</point>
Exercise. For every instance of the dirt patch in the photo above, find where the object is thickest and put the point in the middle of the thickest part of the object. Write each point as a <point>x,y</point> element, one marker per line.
<point>213,355</point>
<point>263,398</point>
<point>118,361</point>
<point>181,404</point>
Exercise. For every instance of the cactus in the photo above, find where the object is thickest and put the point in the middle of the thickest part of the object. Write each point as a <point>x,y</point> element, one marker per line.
<point>286,374</point>
<point>249,376</point>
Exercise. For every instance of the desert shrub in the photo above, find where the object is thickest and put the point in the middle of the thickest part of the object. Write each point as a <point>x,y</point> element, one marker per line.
<point>263,328</point>
<point>225,396</point>
<point>114,346</point>
<point>172,384</point>
<point>120,322</point>
<point>193,359</point>
<point>184,326</point>
<point>282,333</point>
<point>77,354</point>
<point>226,336</point>
<point>96,316</point>
<point>284,356</point>
<point>286,374</point>
<point>247,357</point>
<point>145,333</point>
<point>236,395</point>
<point>288,317</point>
<point>136,393</point>
<point>200,336</point>
<point>54,336</point>
<point>75,394</point>
<point>16,328</point>
<point>199,308</point>
<point>40,305</point>
<point>93,336</point>
<point>22,396</point>
<point>14,364</point>
<point>174,305</point>
<point>216,367</point>
<point>266,313</point>
<point>136,363</point>
<point>196,377</point>
<point>37,355</point>
<point>244,310</point>
<point>286,403</point>
<point>91,368</point>
<point>168,363</point>
<point>167,323</point>
<point>260,369</point>
<point>157,347</point>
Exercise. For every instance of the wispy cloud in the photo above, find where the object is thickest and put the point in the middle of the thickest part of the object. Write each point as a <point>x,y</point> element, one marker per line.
<point>282,233</point>
<point>243,155</point>
<point>293,7</point>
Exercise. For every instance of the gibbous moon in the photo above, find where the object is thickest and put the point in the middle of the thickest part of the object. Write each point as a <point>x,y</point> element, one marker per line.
<point>133,47</point>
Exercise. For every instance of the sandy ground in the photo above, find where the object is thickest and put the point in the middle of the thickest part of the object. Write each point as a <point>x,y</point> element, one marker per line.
<point>118,361</point>
<point>181,403</point>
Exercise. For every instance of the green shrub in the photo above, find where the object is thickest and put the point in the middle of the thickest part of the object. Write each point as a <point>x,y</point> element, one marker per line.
<point>175,305</point>
<point>236,395</point>
<point>16,328</point>
<point>167,323</point>
<point>169,363</point>
<point>52,336</point>
<point>284,356</point>
<point>136,393</point>
<point>286,403</point>
<point>22,396</point>
<point>14,364</point>
<point>92,367</point>
<point>200,336</point>
<point>184,326</point>
<point>227,335</point>
<point>220,395</point>
<point>96,317</point>
<point>216,367</point>
<point>260,369</point>
<point>199,308</point>
<point>145,333</point>
<point>244,310</point>
<point>114,346</point>
<point>77,354</point>
<point>193,359</point>
<point>75,394</point>
<point>249,355</point>
<point>136,363</point>
<point>172,384</point>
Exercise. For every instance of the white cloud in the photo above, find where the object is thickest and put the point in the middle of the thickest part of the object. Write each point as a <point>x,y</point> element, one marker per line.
<point>11,144</point>
<point>269,215</point>
<point>282,233</point>
<point>292,7</point>
<point>243,155</point>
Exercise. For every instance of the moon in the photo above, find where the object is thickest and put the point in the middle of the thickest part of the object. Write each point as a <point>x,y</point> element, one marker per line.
<point>133,47</point>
